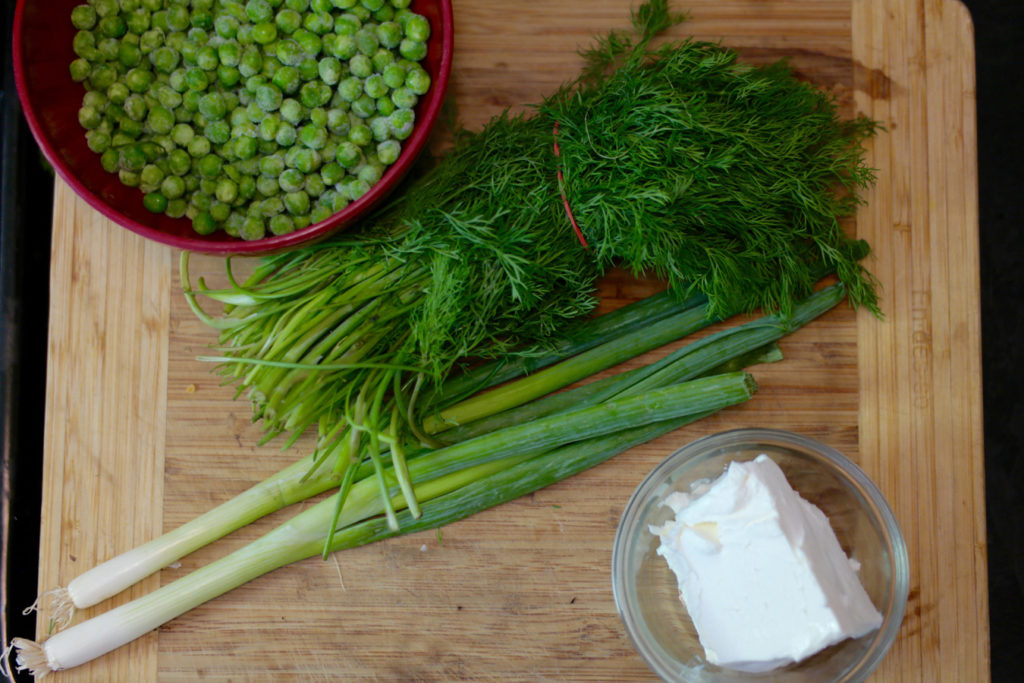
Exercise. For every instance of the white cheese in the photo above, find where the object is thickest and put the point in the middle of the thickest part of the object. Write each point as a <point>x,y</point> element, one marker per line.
<point>760,570</point>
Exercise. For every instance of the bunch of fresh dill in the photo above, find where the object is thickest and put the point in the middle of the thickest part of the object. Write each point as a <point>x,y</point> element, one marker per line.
<point>723,178</point>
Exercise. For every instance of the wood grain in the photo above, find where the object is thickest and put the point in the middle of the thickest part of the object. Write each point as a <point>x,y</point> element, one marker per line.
<point>141,437</point>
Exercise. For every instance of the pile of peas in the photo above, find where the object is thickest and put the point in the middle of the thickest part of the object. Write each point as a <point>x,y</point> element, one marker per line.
<point>255,117</point>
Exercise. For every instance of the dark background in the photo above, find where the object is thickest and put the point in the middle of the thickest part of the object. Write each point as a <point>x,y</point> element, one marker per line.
<point>24,270</point>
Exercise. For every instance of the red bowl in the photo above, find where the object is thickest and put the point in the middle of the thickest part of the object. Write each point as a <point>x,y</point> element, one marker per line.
<point>50,101</point>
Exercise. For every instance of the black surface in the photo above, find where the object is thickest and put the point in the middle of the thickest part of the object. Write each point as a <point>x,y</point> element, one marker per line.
<point>24,258</point>
<point>25,223</point>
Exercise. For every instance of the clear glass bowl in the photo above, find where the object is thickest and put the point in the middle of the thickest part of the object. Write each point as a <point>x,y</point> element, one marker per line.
<point>646,592</point>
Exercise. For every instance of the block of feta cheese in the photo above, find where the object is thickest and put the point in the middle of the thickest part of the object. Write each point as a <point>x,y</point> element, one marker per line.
<point>761,571</point>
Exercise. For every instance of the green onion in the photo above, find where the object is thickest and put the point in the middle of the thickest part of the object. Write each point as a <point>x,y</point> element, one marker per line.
<point>465,480</point>
<point>725,351</point>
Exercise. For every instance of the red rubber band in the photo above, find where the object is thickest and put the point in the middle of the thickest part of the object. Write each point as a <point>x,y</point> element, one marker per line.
<point>561,190</point>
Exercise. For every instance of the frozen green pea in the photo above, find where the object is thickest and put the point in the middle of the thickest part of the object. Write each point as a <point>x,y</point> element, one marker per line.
<point>348,155</point>
<point>228,76</point>
<point>382,59</point>
<point>350,89</point>
<point>128,54</point>
<point>310,42</point>
<point>320,213</point>
<point>245,147</point>
<point>281,224</point>
<point>252,228</point>
<point>314,185</point>
<point>309,69</point>
<point>307,160</point>
<point>226,26</point>
<point>200,146</point>
<point>332,173</point>
<point>220,210</point>
<point>360,66</point>
<point>135,107</point>
<point>372,5</point>
<point>264,33</point>
<point>179,162</point>
<point>337,121</point>
<point>374,86</point>
<point>251,62</point>
<point>218,132</point>
<point>268,127</point>
<point>291,180</point>
<point>380,127</point>
<point>209,166</point>
<point>258,10</point>
<point>89,117</point>
<point>271,206</point>
<point>370,173</point>
<point>227,190</point>
<point>154,202</point>
<point>401,122</point>
<point>176,80</point>
<point>80,70</point>
<point>112,26</point>
<point>94,98</point>
<point>292,111</point>
<point>403,98</point>
<point>178,18</point>
<point>286,135</point>
<point>360,135</point>
<point>388,151</point>
<point>97,141</point>
<point>296,202</point>
<point>418,80</point>
<point>267,185</point>
<point>191,182</point>
<point>107,48</point>
<point>389,34</point>
<point>165,59</point>
<point>204,223</point>
<point>364,107</point>
<point>417,28</point>
<point>346,24</point>
<point>412,49</point>
<point>84,45</point>
<point>343,47</point>
<point>201,200</point>
<point>197,79</point>
<point>207,59</point>
<point>321,6</point>
<point>83,17</point>
<point>318,116</point>
<point>268,98</point>
<point>176,208</point>
<point>150,40</point>
<point>190,101</point>
<point>167,96</point>
<point>289,53</point>
<point>330,70</point>
<point>356,188</point>
<point>313,136</point>
<point>212,106</point>
<point>385,106</point>
<point>103,76</point>
<point>172,186</point>
<point>182,134</point>
<point>287,79</point>
<point>288,21</point>
<point>109,160</point>
<point>319,23</point>
<point>160,120</point>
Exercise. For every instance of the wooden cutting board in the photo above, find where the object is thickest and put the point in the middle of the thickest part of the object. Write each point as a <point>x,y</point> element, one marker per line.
<point>140,436</point>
